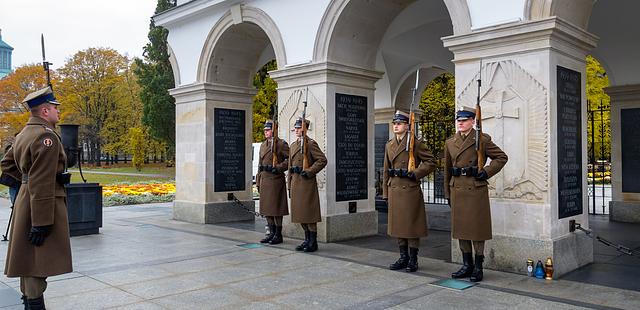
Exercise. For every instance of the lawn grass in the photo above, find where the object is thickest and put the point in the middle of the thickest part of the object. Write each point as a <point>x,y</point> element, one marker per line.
<point>158,168</point>
<point>108,179</point>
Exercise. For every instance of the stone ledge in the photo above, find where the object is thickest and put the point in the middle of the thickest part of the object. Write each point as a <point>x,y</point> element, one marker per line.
<point>338,227</point>
<point>624,211</point>
<point>211,213</point>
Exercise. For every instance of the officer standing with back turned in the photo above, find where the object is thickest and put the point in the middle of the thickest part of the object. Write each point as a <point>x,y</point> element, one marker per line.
<point>466,187</point>
<point>39,246</point>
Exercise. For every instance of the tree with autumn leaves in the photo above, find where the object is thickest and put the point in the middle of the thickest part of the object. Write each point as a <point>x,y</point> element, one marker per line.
<point>98,90</point>
<point>13,89</point>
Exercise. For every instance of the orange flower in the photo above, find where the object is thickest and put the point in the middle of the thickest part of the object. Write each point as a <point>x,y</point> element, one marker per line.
<point>139,189</point>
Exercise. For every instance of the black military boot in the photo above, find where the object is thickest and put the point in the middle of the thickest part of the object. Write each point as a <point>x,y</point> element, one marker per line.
<point>467,266</point>
<point>277,238</point>
<point>402,262</point>
<point>24,302</point>
<point>304,243</point>
<point>272,232</point>
<point>312,245</point>
<point>412,265</point>
<point>36,303</point>
<point>476,275</point>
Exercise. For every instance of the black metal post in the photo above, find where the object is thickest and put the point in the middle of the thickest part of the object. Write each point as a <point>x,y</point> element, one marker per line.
<point>593,161</point>
<point>602,151</point>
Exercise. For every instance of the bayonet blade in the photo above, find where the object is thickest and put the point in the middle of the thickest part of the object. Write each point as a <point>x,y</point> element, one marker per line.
<point>44,59</point>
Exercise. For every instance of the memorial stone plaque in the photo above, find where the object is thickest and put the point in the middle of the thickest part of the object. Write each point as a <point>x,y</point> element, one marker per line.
<point>569,133</point>
<point>629,129</point>
<point>382,137</point>
<point>229,147</point>
<point>351,147</point>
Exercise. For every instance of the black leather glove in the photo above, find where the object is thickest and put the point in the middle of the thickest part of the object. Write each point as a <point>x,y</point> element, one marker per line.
<point>482,175</point>
<point>411,176</point>
<point>37,234</point>
<point>304,174</point>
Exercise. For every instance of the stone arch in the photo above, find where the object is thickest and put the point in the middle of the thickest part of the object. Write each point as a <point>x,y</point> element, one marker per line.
<point>174,65</point>
<point>244,26</point>
<point>576,12</point>
<point>402,94</point>
<point>366,42</point>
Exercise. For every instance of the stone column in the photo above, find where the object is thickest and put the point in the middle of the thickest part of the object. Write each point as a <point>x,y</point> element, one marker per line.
<point>625,147</point>
<point>198,198</point>
<point>534,107</point>
<point>356,216</point>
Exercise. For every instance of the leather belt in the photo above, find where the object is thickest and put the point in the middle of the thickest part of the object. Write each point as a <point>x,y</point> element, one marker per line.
<point>470,171</point>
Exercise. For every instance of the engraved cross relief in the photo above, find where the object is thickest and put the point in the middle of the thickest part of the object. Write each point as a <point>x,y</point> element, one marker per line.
<point>496,110</point>
<point>515,114</point>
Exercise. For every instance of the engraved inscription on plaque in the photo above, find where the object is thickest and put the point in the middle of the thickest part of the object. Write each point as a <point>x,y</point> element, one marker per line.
<point>569,133</point>
<point>381,139</point>
<point>229,146</point>
<point>630,127</point>
<point>351,147</point>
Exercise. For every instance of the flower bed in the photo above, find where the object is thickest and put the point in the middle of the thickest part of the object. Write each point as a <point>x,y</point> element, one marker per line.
<point>139,189</point>
<point>127,194</point>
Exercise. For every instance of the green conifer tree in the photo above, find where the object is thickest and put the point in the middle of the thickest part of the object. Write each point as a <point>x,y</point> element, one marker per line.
<point>156,78</point>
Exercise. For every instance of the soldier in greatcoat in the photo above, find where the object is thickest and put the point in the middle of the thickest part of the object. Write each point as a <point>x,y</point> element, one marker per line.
<point>39,246</point>
<point>401,188</point>
<point>305,201</point>
<point>465,185</point>
<point>271,183</point>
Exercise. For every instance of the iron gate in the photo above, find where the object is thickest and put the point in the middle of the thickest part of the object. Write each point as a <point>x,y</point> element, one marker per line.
<point>599,154</point>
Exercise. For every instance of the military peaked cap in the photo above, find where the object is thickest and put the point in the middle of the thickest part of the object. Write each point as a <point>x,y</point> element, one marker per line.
<point>39,97</point>
<point>465,113</point>
<point>298,123</point>
<point>400,117</point>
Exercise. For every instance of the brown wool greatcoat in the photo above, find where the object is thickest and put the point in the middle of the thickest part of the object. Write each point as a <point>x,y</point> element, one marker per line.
<point>406,215</point>
<point>469,197</point>
<point>305,201</point>
<point>272,187</point>
<point>38,155</point>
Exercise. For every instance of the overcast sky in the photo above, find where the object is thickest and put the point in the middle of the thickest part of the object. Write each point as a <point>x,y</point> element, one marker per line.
<point>73,25</point>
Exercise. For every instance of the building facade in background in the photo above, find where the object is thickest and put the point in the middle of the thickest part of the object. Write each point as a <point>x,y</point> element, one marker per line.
<point>5,57</point>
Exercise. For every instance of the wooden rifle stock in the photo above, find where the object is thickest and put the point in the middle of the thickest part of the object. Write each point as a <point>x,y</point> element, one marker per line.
<point>274,136</point>
<point>411,139</point>
<point>274,144</point>
<point>305,141</point>
<point>479,142</point>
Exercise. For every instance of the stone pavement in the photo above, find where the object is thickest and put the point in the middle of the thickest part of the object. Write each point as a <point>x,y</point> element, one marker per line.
<point>144,260</point>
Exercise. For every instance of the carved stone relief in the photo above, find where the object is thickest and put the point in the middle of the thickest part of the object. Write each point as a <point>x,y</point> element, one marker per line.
<point>515,114</point>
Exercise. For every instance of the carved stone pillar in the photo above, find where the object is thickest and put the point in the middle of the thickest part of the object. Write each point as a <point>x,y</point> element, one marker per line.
<point>202,189</point>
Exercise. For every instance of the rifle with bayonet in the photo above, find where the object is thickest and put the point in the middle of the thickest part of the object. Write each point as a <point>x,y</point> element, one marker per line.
<point>45,63</point>
<point>304,141</point>
<point>274,135</point>
<point>411,139</point>
<point>479,146</point>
